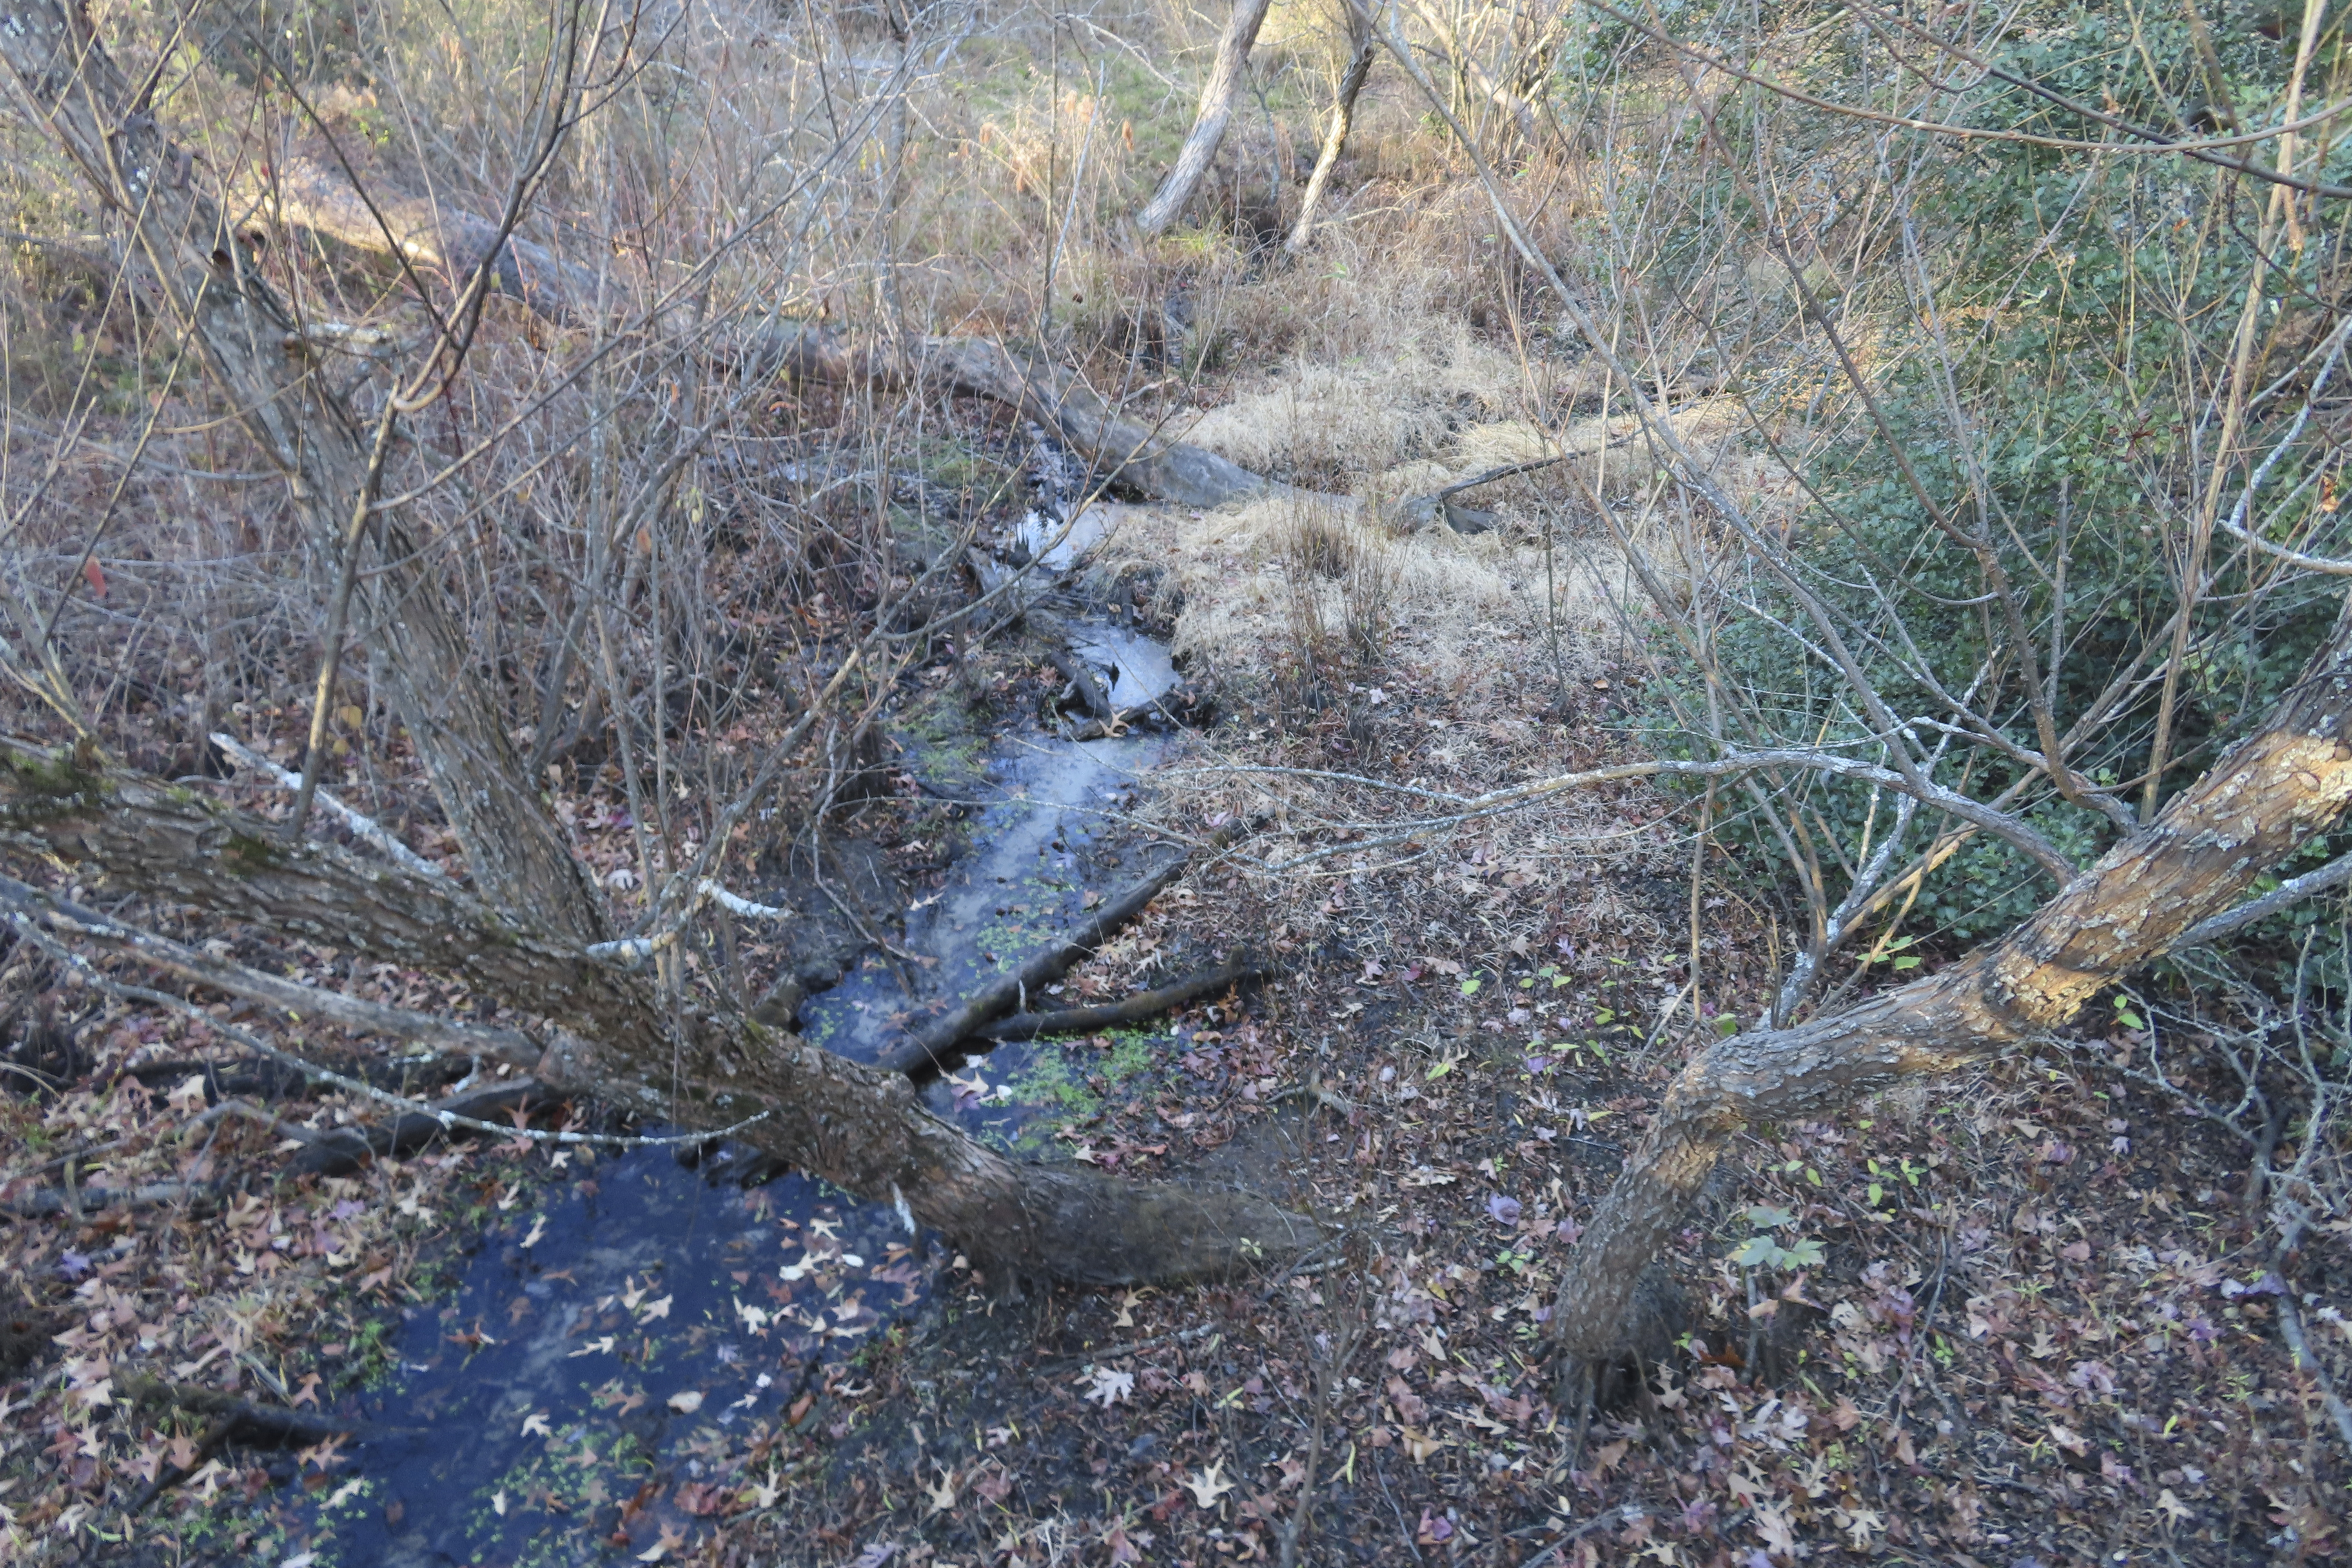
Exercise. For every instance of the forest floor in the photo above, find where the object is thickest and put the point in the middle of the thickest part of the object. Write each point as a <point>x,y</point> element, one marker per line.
<point>2014,1320</point>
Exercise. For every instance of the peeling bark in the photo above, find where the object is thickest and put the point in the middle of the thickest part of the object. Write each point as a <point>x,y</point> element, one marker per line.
<point>2266,798</point>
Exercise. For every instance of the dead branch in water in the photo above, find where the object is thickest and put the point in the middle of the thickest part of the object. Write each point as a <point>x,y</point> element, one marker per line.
<point>1142,1005</point>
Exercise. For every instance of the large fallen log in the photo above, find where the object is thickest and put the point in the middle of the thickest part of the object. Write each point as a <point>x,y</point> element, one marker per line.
<point>313,194</point>
<point>316,195</point>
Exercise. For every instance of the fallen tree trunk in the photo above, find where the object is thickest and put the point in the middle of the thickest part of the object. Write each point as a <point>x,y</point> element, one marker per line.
<point>310,194</point>
<point>861,1128</point>
<point>2266,798</point>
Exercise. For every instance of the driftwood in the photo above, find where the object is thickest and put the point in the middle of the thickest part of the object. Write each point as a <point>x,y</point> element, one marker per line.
<point>1142,1005</point>
<point>611,1037</point>
<point>258,1077</point>
<point>1093,696</point>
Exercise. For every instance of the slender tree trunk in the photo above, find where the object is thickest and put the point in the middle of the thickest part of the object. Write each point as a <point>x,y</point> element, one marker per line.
<point>2266,798</point>
<point>1360,44</point>
<point>1208,124</point>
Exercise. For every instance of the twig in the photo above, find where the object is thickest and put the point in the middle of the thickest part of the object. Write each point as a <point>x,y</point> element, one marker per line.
<point>448,1119</point>
<point>77,1200</point>
<point>2291,1328</point>
<point>1606,1519</point>
<point>366,827</point>
<point>936,1043</point>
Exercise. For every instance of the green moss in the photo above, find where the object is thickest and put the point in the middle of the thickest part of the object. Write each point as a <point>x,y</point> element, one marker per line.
<point>47,785</point>
<point>248,856</point>
<point>1056,1079</point>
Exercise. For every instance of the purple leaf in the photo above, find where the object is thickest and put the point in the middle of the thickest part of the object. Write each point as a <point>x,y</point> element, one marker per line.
<point>1503,1210</point>
<point>350,1208</point>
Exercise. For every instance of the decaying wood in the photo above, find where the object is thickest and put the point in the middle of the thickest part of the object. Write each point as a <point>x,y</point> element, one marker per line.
<point>252,1422</point>
<point>2265,799</point>
<point>1092,694</point>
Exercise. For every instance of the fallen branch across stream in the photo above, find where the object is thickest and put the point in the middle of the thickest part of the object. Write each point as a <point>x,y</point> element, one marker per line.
<point>935,1044</point>
<point>1142,1005</point>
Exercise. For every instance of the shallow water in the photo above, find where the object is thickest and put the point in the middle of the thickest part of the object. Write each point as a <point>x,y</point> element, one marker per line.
<point>626,1328</point>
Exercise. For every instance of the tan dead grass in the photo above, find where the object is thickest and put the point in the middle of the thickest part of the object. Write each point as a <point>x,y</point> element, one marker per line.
<point>1464,608</point>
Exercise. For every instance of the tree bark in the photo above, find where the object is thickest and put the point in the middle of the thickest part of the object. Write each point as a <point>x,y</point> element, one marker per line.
<point>255,350</point>
<point>1361,46</point>
<point>860,1127</point>
<point>2266,798</point>
<point>1217,96</point>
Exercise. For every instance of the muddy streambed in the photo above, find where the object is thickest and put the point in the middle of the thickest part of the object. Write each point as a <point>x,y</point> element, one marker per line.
<point>622,1327</point>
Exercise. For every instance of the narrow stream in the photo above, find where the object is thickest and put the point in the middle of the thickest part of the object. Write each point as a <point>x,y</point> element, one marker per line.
<point>624,1329</point>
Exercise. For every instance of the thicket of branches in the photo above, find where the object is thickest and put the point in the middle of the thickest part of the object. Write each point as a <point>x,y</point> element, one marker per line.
<point>1981,367</point>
